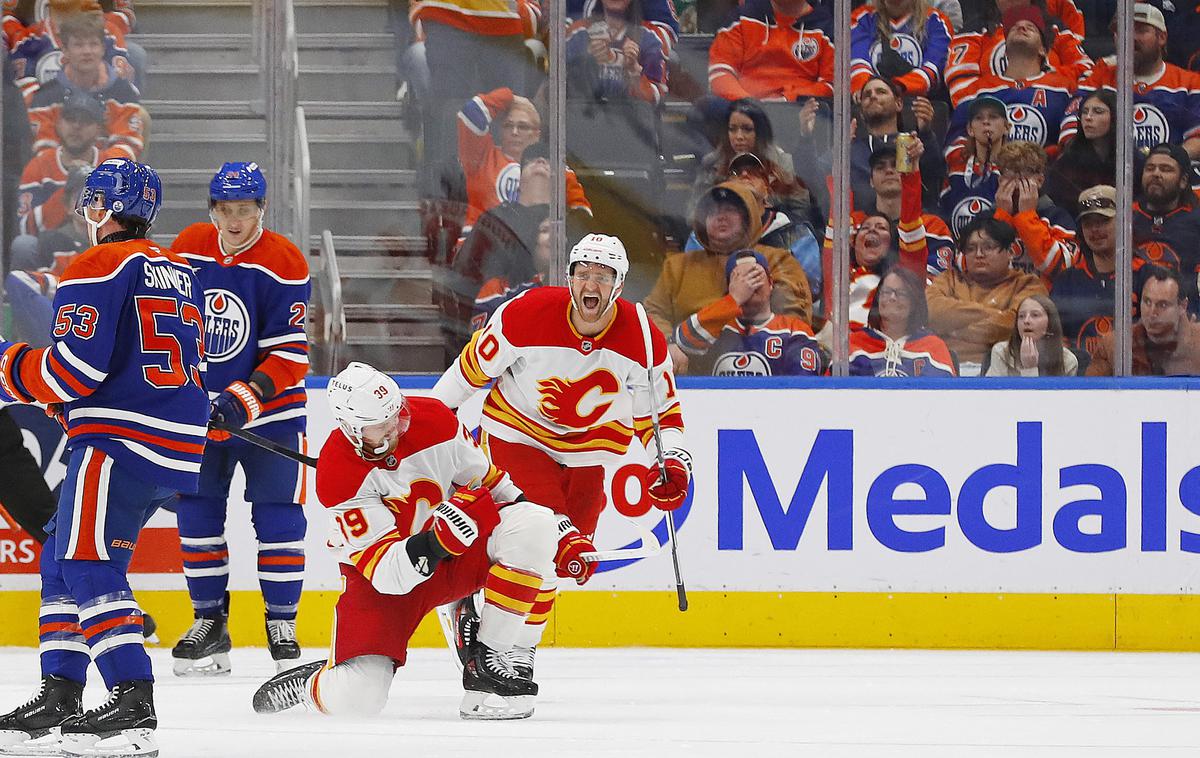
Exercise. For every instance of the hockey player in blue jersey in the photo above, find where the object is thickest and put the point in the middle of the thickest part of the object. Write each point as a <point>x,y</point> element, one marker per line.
<point>256,291</point>
<point>125,376</point>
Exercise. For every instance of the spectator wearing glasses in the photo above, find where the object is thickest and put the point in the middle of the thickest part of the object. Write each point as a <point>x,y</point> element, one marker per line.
<point>974,308</point>
<point>1084,294</point>
<point>1035,347</point>
<point>1165,341</point>
<point>896,340</point>
<point>738,335</point>
<point>727,219</point>
<point>493,166</point>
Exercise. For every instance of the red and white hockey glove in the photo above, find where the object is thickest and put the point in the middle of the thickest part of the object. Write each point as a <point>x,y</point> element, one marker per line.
<point>568,561</point>
<point>669,494</point>
<point>468,515</point>
<point>237,406</point>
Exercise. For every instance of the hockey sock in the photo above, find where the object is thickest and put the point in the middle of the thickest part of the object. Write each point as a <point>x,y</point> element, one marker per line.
<point>205,553</point>
<point>280,528</point>
<point>110,618</point>
<point>61,644</point>
<point>509,595</point>
<point>535,622</point>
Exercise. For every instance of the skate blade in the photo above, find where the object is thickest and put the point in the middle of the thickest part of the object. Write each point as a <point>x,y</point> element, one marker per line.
<point>286,664</point>
<point>216,664</point>
<point>128,743</point>
<point>486,706</point>
<point>20,743</point>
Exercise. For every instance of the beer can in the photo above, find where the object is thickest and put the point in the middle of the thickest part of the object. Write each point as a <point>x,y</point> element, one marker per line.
<point>903,140</point>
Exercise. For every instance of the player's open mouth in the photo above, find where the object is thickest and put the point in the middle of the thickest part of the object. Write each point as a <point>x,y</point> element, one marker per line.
<point>591,302</point>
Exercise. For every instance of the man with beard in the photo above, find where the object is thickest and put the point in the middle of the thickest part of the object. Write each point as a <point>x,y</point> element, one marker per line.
<point>1084,293</point>
<point>1166,222</point>
<point>1166,98</point>
<point>42,204</point>
<point>880,105</point>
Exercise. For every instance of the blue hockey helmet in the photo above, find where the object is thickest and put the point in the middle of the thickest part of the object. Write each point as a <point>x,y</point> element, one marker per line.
<point>238,180</point>
<point>131,191</point>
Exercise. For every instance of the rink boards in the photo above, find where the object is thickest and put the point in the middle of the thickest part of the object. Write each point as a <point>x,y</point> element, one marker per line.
<point>1011,514</point>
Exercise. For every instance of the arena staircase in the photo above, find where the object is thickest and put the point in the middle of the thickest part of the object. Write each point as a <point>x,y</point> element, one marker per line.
<point>205,95</point>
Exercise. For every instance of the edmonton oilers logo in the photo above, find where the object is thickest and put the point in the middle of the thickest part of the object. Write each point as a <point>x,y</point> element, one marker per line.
<point>1026,124</point>
<point>508,183</point>
<point>226,325</point>
<point>999,59</point>
<point>966,210</point>
<point>904,44</point>
<point>1150,126</point>
<point>742,364</point>
<point>805,48</point>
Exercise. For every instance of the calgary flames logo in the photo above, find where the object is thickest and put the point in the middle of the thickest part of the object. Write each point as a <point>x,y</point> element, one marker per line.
<point>562,400</point>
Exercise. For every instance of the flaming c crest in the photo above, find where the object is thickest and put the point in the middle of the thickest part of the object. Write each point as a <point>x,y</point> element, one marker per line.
<point>561,399</point>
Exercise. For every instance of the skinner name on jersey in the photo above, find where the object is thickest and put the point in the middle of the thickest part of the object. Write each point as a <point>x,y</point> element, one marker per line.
<point>167,278</point>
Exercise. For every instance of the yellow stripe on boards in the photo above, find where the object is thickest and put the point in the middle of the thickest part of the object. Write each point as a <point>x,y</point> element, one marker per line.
<point>749,619</point>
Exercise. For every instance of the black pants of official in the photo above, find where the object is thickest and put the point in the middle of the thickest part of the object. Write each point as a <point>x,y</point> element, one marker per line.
<point>23,490</point>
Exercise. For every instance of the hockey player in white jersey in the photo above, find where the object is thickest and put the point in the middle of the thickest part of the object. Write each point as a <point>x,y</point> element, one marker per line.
<point>570,394</point>
<point>421,518</point>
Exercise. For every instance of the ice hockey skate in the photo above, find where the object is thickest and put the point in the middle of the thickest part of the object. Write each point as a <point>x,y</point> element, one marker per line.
<point>281,641</point>
<point>286,689</point>
<point>33,728</point>
<point>494,691</point>
<point>204,648</point>
<point>521,660</point>
<point>121,727</point>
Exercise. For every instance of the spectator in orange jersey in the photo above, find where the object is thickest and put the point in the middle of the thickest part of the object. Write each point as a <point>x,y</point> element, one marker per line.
<point>974,308</point>
<point>1035,347</point>
<point>493,166</point>
<point>896,340</point>
<point>85,70</point>
<point>774,50</point>
<point>1046,232</point>
<point>42,204</point>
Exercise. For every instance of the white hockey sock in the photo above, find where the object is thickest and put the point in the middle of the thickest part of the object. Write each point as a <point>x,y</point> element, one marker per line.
<point>357,687</point>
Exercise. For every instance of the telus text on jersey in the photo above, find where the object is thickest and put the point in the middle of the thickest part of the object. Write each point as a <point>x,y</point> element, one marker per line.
<point>167,278</point>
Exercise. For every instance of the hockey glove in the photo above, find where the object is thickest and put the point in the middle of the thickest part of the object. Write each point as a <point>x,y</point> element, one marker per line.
<point>668,494</point>
<point>468,515</point>
<point>237,406</point>
<point>55,411</point>
<point>569,562</point>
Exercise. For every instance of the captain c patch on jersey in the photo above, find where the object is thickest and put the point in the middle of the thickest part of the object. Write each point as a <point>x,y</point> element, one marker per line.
<point>226,325</point>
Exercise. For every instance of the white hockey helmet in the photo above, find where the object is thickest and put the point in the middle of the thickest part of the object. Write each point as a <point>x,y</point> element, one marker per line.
<point>604,250</point>
<point>362,396</point>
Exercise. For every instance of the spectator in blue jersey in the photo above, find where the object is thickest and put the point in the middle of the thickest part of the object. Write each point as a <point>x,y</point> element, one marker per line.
<point>788,230</point>
<point>498,290</point>
<point>256,292</point>
<point>738,335</point>
<point>1166,220</point>
<point>1090,157</point>
<point>1084,294</point>
<point>1035,347</point>
<point>125,375</point>
<point>904,41</point>
<point>659,16</point>
<point>971,173</point>
<point>611,55</point>
<point>896,340</point>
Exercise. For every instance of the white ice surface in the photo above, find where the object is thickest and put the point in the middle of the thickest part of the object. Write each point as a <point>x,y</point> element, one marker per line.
<point>728,703</point>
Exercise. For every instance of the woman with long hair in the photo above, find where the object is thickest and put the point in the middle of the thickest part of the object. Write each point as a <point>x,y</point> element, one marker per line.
<point>904,41</point>
<point>1090,158</point>
<point>612,54</point>
<point>748,130</point>
<point>1036,346</point>
<point>896,340</point>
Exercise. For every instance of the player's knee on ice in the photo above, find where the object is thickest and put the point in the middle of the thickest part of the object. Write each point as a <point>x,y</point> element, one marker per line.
<point>526,538</point>
<point>357,687</point>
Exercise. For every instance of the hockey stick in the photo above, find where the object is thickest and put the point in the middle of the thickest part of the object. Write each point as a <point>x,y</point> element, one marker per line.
<point>650,546</point>
<point>266,444</point>
<point>644,323</point>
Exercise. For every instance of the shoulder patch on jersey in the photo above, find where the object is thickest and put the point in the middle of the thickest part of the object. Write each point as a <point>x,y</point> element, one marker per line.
<point>340,472</point>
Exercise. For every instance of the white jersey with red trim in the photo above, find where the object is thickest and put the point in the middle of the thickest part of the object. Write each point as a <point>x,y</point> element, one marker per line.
<point>377,505</point>
<point>579,399</point>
